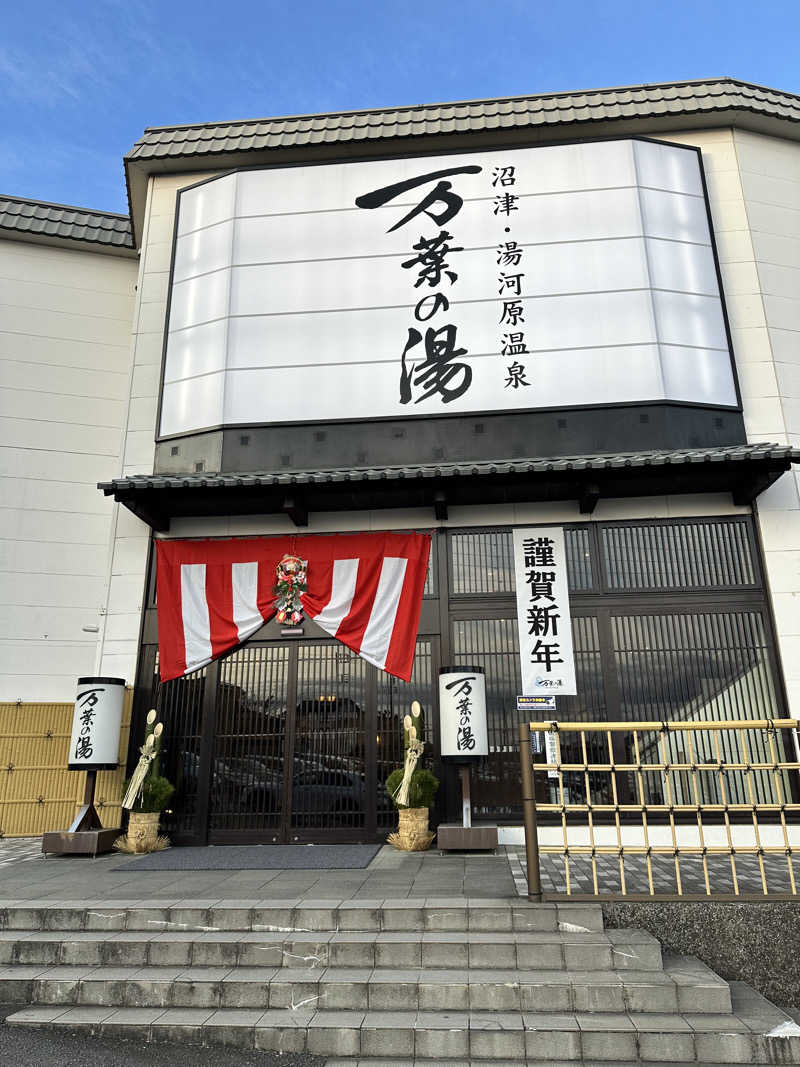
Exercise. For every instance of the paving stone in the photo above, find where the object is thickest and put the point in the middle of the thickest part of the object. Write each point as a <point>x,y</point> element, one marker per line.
<point>169,953</point>
<point>496,1042</point>
<point>232,916</point>
<point>561,1045</point>
<point>388,1033</point>
<point>130,1023</point>
<point>442,991</point>
<point>38,1016</point>
<point>346,993</point>
<point>441,1043</point>
<point>232,1028</point>
<point>360,915</point>
<point>84,1016</point>
<point>534,917</point>
<point>180,1025</point>
<point>282,1031</point>
<point>613,1045</point>
<point>666,1047</point>
<point>545,995</point>
<point>105,992</point>
<point>723,1047</point>
<point>540,956</point>
<point>599,997</point>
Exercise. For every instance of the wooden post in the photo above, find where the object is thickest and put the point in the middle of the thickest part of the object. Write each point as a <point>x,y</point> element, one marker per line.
<point>466,800</point>
<point>529,813</point>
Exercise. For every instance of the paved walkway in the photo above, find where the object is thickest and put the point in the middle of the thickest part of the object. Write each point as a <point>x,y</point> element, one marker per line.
<point>748,873</point>
<point>391,875</point>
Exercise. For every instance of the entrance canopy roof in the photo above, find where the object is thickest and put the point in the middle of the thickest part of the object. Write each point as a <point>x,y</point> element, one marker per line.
<point>742,470</point>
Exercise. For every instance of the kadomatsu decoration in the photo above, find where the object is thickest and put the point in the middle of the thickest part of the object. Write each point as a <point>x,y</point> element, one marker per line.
<point>146,796</point>
<point>412,790</point>
<point>291,584</point>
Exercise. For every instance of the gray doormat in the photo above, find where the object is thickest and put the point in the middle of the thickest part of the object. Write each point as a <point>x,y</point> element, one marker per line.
<point>256,858</point>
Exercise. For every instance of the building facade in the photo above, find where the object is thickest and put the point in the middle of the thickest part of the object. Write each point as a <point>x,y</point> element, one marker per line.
<point>574,310</point>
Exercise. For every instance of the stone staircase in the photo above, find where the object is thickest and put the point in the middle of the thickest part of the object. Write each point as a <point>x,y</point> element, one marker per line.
<point>414,980</point>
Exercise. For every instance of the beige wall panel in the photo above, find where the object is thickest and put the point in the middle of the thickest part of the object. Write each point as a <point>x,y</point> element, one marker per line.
<point>155,287</point>
<point>758,379</point>
<point>146,380</point>
<point>72,299</point>
<point>66,381</point>
<point>50,265</point>
<point>784,345</point>
<point>751,345</point>
<point>76,467</point>
<point>783,313</point>
<point>779,249</point>
<point>43,495</point>
<point>56,526</point>
<point>779,281</point>
<point>139,452</point>
<point>158,256</point>
<point>781,495</point>
<point>63,436</point>
<point>129,556</point>
<point>63,658</point>
<point>25,556</point>
<point>64,351</point>
<point>48,686</point>
<point>35,623</point>
<point>61,324</point>
<point>125,593</point>
<point>151,319</point>
<point>39,590</point>
<point>788,375</point>
<point>149,350</point>
<point>142,414</point>
<point>55,407</point>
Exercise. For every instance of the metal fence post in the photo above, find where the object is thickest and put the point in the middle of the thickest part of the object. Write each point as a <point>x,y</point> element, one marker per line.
<point>529,813</point>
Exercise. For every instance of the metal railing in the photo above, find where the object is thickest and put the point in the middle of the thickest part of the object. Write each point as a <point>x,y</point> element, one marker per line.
<point>706,807</point>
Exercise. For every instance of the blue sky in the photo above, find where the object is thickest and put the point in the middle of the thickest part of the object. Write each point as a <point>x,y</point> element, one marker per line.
<point>79,81</point>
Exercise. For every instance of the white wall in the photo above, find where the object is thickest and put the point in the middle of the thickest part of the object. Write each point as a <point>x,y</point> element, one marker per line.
<point>770,177</point>
<point>130,538</point>
<point>754,189</point>
<point>64,353</point>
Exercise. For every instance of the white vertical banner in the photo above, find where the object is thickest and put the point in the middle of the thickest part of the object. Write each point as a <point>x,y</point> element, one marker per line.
<point>543,616</point>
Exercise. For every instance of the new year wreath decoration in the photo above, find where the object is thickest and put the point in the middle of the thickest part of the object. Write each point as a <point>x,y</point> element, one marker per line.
<point>291,584</point>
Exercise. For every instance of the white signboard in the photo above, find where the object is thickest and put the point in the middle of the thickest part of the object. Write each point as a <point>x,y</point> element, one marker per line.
<point>506,280</point>
<point>462,712</point>
<point>96,721</point>
<point>543,618</point>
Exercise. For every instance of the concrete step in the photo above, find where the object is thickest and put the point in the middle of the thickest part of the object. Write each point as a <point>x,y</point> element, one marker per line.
<point>447,1036</point>
<point>432,914</point>
<point>331,988</point>
<point>464,950</point>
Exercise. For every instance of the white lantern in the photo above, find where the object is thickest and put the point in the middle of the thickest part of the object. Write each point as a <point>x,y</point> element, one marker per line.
<point>96,722</point>
<point>462,713</point>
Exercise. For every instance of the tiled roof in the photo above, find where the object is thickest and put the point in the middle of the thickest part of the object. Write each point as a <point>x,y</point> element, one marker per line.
<point>37,218</point>
<point>596,105</point>
<point>729,455</point>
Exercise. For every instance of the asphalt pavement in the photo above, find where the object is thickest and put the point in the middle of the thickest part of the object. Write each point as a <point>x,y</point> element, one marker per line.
<point>24,1047</point>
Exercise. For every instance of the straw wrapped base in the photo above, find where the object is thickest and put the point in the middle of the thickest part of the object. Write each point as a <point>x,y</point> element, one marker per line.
<point>142,833</point>
<point>412,833</point>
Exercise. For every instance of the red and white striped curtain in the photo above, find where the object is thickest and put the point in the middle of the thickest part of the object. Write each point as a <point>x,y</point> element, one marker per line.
<point>363,589</point>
